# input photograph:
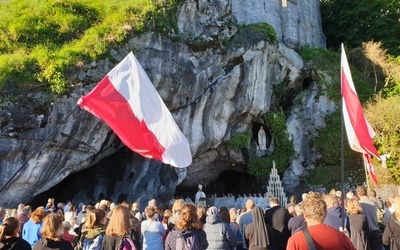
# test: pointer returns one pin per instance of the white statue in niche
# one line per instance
(262, 138)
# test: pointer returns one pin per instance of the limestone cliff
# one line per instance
(212, 93)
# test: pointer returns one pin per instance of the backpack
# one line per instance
(380, 213)
(187, 241)
(126, 244)
(90, 244)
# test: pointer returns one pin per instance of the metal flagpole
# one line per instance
(342, 167)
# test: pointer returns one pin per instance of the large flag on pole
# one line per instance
(128, 102)
(359, 132)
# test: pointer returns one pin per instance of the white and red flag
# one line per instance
(129, 103)
(359, 132)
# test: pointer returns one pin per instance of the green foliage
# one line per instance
(326, 67)
(56, 35)
(253, 33)
(383, 115)
(282, 89)
(239, 140)
(375, 20)
(283, 146)
(259, 166)
(330, 176)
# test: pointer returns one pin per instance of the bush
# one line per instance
(239, 140)
(253, 33)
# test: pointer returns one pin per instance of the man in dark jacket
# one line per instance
(334, 213)
(278, 217)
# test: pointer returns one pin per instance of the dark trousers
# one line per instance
(374, 240)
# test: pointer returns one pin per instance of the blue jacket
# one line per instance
(31, 232)
(334, 218)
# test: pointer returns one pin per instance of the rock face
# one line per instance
(212, 94)
(296, 25)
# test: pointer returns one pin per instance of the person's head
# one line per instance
(314, 208)
(293, 198)
(60, 205)
(371, 194)
(105, 202)
(361, 191)
(249, 204)
(9, 228)
(330, 200)
(178, 205)
(291, 210)
(38, 215)
(150, 212)
(166, 215)
(113, 205)
(232, 214)
(200, 187)
(135, 206)
(212, 213)
(189, 219)
(273, 201)
(95, 217)
(298, 209)
(353, 207)
(119, 224)
(224, 213)
(66, 226)
(26, 210)
(152, 203)
(104, 207)
(71, 208)
(52, 227)
(201, 212)
(350, 195)
(20, 207)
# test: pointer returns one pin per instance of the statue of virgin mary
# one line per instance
(262, 138)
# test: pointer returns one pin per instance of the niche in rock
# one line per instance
(256, 131)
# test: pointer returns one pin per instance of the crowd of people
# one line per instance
(317, 222)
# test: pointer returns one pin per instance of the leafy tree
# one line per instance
(354, 22)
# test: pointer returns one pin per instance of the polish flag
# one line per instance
(128, 102)
(359, 132)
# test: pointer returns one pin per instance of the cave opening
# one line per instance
(228, 181)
